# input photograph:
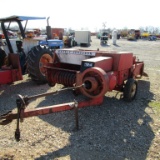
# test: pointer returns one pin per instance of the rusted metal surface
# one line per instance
(100, 71)
(67, 78)
(23, 101)
(24, 113)
(50, 109)
(96, 81)
(96, 73)
(104, 71)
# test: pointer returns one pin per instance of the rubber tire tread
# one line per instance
(33, 58)
(128, 88)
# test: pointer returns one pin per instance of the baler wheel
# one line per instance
(38, 56)
(130, 90)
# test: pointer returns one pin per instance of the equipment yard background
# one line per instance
(116, 130)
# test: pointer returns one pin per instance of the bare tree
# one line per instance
(141, 29)
(150, 29)
(104, 25)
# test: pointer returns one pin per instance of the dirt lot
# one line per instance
(116, 130)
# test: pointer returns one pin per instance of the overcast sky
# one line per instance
(90, 14)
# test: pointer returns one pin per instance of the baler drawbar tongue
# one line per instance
(23, 101)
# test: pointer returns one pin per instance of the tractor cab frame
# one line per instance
(22, 29)
(11, 68)
(22, 46)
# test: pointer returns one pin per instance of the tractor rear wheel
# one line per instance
(130, 90)
(38, 56)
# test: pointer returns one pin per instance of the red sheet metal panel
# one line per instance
(121, 60)
(5, 76)
(9, 76)
(104, 63)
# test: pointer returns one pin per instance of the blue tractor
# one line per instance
(33, 52)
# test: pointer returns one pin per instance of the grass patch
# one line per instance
(155, 105)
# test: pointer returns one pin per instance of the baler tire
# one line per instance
(37, 57)
(130, 90)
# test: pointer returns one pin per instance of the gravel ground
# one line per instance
(115, 130)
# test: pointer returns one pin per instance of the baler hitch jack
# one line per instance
(23, 101)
